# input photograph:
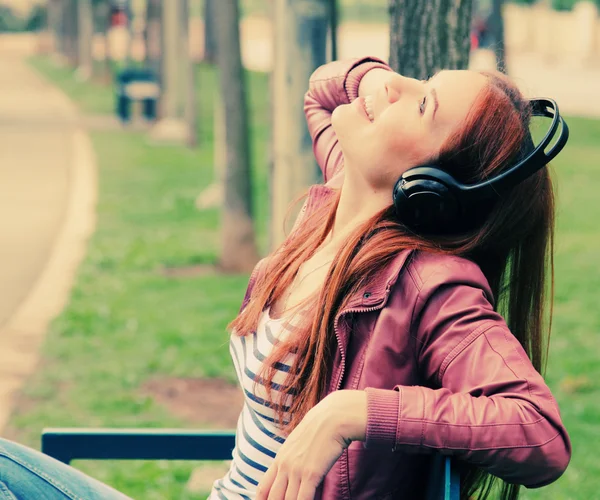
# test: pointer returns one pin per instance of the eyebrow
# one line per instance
(436, 103)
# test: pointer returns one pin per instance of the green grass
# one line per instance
(127, 323)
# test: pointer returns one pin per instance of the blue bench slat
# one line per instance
(132, 444)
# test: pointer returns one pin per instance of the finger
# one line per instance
(308, 487)
(279, 486)
(263, 488)
(292, 487)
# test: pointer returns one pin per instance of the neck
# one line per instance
(358, 203)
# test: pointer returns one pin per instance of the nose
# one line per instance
(398, 85)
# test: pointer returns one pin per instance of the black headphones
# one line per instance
(429, 200)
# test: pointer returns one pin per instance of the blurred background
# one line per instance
(149, 152)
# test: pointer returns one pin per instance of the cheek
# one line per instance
(408, 145)
(396, 138)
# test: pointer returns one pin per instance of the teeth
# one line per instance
(369, 107)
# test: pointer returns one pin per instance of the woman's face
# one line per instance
(411, 120)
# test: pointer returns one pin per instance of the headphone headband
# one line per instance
(535, 160)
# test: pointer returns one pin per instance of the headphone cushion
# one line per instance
(426, 205)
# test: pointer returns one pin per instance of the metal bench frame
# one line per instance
(68, 444)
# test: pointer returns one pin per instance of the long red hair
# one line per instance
(512, 244)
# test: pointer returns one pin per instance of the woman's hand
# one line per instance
(314, 446)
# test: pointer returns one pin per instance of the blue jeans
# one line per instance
(26, 474)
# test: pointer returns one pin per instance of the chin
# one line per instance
(344, 121)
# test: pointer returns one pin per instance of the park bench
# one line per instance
(136, 85)
(67, 444)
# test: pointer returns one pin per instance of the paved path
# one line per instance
(47, 191)
(35, 153)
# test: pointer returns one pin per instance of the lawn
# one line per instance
(127, 322)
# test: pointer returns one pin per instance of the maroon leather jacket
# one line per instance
(441, 369)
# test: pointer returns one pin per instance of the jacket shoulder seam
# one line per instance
(415, 276)
(512, 371)
(462, 345)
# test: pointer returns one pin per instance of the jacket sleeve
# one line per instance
(484, 401)
(330, 85)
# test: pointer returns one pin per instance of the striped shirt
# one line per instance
(258, 436)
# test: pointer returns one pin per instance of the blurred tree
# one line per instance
(9, 21)
(333, 27)
(238, 243)
(102, 23)
(170, 56)
(153, 35)
(210, 40)
(85, 34)
(55, 25)
(426, 36)
(300, 29)
(38, 18)
(70, 26)
(189, 79)
(496, 22)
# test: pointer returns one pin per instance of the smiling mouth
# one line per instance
(368, 101)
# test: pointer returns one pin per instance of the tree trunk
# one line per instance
(85, 15)
(103, 13)
(153, 37)
(497, 31)
(238, 250)
(426, 36)
(333, 29)
(300, 28)
(210, 39)
(71, 31)
(54, 17)
(170, 58)
(189, 77)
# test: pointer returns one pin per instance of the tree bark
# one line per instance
(210, 39)
(189, 77)
(170, 58)
(426, 36)
(153, 36)
(54, 25)
(238, 251)
(85, 15)
(333, 28)
(103, 15)
(300, 29)
(70, 23)
(497, 31)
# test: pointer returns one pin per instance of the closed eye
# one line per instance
(422, 105)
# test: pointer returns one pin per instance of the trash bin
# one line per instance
(137, 84)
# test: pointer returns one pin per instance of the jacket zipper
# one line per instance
(379, 305)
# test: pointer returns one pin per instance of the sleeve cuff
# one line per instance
(411, 416)
(395, 417)
(354, 76)
(382, 417)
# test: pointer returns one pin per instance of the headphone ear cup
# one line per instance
(426, 205)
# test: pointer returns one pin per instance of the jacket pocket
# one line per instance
(383, 474)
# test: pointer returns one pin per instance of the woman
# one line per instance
(361, 346)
